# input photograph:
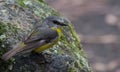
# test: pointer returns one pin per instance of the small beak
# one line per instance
(61, 21)
(64, 24)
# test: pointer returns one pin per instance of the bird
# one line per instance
(40, 38)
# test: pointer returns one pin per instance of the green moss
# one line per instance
(5, 66)
(21, 3)
(42, 1)
(14, 30)
(2, 28)
(73, 69)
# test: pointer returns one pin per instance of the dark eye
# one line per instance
(56, 22)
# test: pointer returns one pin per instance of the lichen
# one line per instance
(17, 18)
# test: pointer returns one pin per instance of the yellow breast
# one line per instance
(49, 45)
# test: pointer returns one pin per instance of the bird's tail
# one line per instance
(12, 52)
(22, 48)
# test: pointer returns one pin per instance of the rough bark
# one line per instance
(17, 18)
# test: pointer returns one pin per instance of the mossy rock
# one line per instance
(17, 18)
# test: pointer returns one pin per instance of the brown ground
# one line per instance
(98, 23)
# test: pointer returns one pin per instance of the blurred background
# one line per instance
(98, 24)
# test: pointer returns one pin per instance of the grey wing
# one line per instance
(46, 34)
(33, 41)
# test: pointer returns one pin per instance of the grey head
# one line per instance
(55, 21)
